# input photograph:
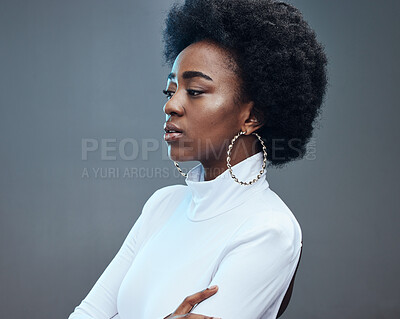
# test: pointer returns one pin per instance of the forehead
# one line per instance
(205, 57)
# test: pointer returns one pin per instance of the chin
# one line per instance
(177, 154)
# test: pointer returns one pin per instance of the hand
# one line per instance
(190, 302)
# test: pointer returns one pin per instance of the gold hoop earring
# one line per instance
(228, 159)
(179, 169)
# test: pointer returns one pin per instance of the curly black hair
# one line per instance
(281, 64)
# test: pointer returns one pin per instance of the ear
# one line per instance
(252, 122)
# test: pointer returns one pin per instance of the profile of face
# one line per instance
(201, 91)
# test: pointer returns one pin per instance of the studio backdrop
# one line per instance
(81, 142)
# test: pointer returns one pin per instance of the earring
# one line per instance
(179, 169)
(228, 159)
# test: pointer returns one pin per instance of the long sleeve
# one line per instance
(101, 301)
(254, 272)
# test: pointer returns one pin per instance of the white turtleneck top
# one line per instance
(188, 237)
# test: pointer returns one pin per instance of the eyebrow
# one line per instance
(190, 74)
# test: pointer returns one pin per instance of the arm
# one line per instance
(101, 301)
(254, 272)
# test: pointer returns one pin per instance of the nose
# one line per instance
(173, 106)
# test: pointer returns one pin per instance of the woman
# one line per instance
(247, 82)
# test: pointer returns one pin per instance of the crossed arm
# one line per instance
(252, 277)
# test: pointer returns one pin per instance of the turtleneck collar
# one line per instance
(214, 197)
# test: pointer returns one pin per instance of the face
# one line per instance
(201, 103)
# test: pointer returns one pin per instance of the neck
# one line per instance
(214, 197)
(242, 149)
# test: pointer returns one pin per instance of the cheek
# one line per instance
(214, 117)
(222, 110)
(219, 123)
(225, 115)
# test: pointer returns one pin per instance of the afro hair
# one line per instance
(281, 64)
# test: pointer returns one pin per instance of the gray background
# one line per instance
(75, 70)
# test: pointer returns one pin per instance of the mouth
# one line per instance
(172, 132)
(171, 135)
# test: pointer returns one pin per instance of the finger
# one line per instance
(190, 301)
(193, 316)
(198, 316)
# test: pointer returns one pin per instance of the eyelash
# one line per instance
(169, 93)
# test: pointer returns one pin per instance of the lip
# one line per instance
(170, 137)
(169, 126)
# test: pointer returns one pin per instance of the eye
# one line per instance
(168, 93)
(194, 92)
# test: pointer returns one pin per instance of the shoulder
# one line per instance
(158, 208)
(165, 193)
(167, 190)
(162, 202)
(270, 212)
(271, 229)
(268, 221)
